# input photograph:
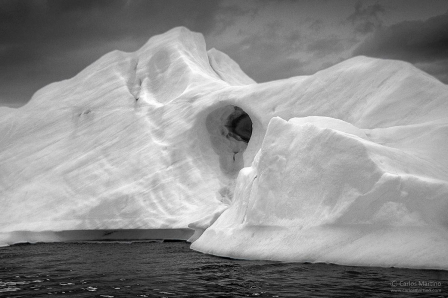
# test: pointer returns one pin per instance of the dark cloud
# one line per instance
(265, 54)
(316, 26)
(325, 46)
(229, 14)
(61, 37)
(65, 6)
(416, 42)
(366, 19)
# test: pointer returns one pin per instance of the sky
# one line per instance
(43, 41)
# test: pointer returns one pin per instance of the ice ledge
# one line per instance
(94, 235)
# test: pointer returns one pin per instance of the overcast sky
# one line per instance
(42, 41)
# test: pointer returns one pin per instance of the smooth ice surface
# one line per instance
(348, 165)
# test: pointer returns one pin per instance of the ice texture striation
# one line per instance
(347, 166)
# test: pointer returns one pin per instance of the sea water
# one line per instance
(171, 269)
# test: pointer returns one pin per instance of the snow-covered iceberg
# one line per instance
(347, 166)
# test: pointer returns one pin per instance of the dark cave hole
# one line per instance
(230, 130)
(239, 125)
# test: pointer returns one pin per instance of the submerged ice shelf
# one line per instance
(348, 165)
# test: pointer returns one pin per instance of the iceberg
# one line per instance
(174, 141)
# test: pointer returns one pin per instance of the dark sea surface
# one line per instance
(171, 269)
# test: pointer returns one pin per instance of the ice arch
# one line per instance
(230, 130)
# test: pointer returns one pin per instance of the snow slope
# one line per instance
(348, 165)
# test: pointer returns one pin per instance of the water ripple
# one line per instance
(171, 269)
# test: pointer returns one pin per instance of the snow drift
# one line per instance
(347, 166)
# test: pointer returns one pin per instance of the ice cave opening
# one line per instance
(230, 130)
(239, 125)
